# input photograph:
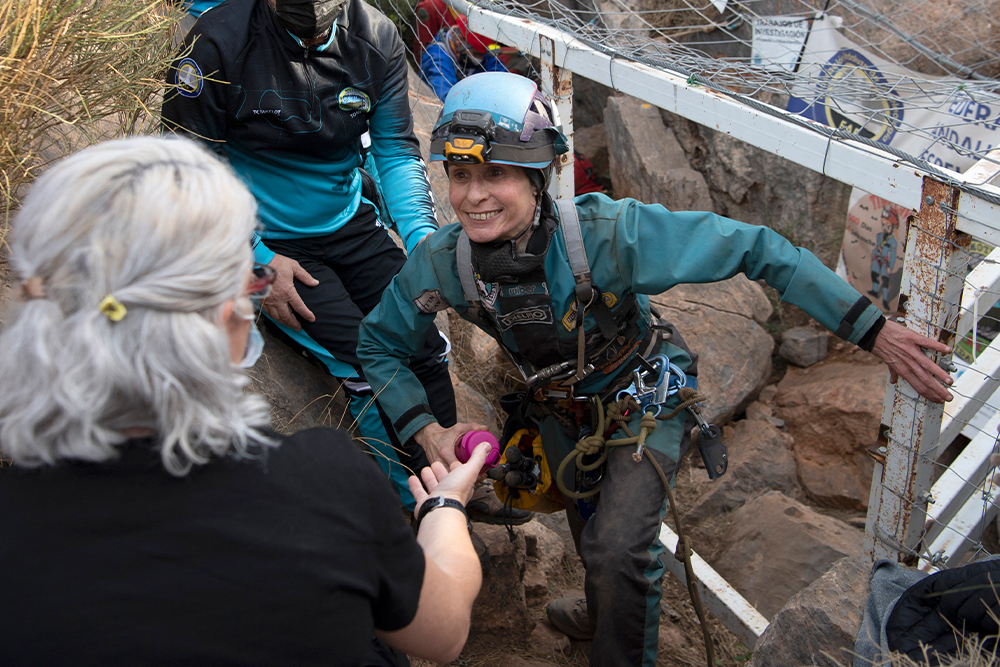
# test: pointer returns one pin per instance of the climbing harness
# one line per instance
(616, 340)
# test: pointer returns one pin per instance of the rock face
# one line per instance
(833, 411)
(754, 186)
(777, 546)
(546, 640)
(500, 610)
(804, 346)
(426, 108)
(819, 624)
(721, 322)
(589, 98)
(544, 552)
(647, 163)
(759, 461)
(473, 407)
(301, 394)
(593, 143)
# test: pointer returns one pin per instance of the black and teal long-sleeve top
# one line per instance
(290, 119)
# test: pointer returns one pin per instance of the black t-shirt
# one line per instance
(292, 559)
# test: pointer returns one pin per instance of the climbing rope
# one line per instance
(617, 412)
(590, 445)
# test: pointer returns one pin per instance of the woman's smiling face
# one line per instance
(494, 202)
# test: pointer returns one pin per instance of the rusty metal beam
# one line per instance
(934, 271)
(557, 84)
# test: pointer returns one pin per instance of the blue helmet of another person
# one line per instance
(497, 117)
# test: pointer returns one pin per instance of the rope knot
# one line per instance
(648, 422)
(592, 444)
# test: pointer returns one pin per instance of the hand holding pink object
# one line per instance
(472, 439)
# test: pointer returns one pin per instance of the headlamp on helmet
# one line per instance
(497, 117)
(469, 137)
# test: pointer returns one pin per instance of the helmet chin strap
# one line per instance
(524, 233)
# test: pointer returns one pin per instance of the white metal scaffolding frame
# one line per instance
(924, 510)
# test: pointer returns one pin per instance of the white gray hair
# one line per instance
(164, 227)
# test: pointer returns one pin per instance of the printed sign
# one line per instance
(874, 243)
(857, 91)
(778, 41)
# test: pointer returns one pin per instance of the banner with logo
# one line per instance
(857, 91)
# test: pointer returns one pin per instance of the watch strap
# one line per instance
(437, 502)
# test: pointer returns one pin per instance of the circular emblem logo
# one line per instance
(422, 15)
(189, 79)
(851, 84)
(352, 99)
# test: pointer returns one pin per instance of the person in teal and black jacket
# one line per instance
(307, 101)
(510, 268)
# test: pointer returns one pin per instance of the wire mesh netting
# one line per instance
(914, 78)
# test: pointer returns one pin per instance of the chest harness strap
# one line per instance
(588, 296)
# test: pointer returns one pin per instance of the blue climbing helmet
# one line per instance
(497, 117)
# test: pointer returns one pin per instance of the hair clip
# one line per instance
(112, 308)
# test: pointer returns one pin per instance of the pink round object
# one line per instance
(471, 440)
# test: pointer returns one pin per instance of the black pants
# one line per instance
(354, 265)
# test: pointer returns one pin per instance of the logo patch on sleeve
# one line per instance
(189, 78)
(430, 301)
(352, 99)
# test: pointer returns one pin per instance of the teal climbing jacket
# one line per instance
(632, 248)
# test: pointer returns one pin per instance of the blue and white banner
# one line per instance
(933, 118)
(929, 117)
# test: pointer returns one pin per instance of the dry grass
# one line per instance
(72, 73)
(972, 653)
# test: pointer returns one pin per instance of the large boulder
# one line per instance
(647, 163)
(819, 624)
(833, 411)
(777, 546)
(759, 461)
(754, 186)
(722, 323)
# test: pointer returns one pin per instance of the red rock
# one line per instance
(777, 546)
(833, 411)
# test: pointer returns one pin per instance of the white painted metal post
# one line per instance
(934, 272)
(557, 85)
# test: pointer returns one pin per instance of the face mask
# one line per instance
(255, 347)
(308, 19)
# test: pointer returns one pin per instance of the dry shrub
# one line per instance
(72, 73)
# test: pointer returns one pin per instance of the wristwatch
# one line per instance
(437, 502)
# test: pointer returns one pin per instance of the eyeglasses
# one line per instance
(263, 279)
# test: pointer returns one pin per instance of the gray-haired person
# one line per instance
(150, 517)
